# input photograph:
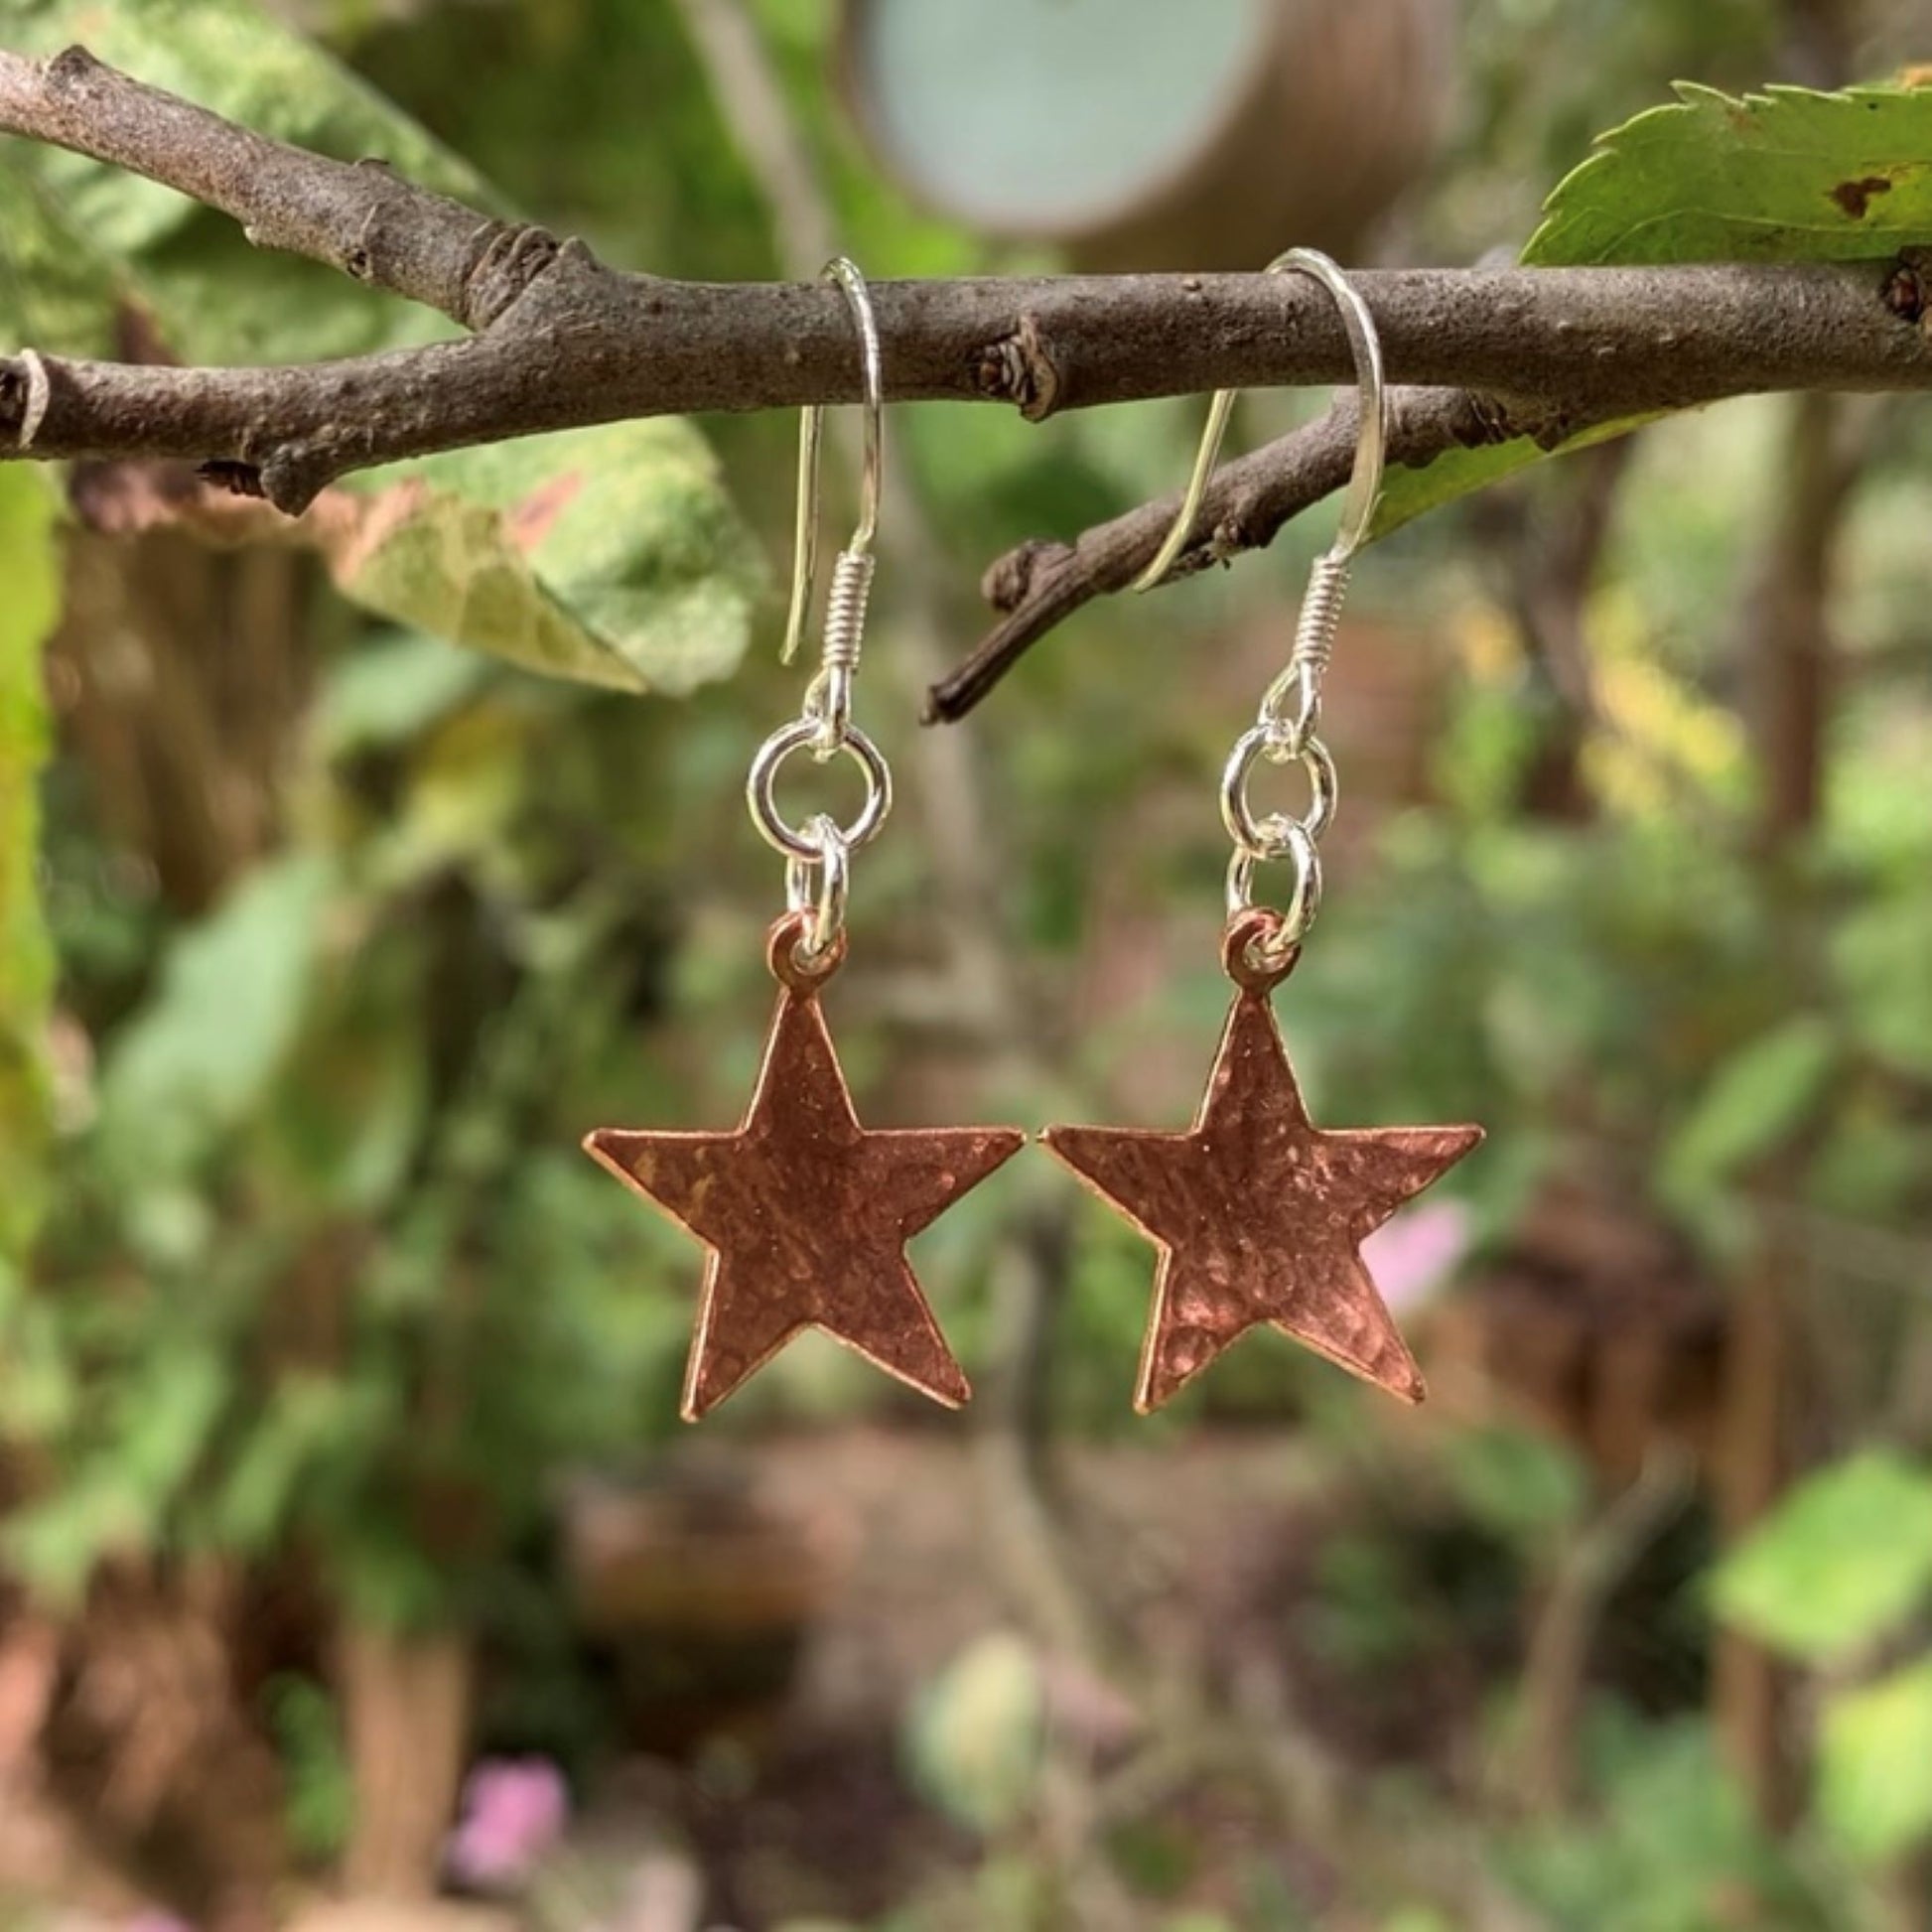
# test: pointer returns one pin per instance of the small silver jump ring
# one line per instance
(1288, 839)
(819, 887)
(759, 788)
(1238, 815)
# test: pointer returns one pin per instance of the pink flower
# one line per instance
(153, 1919)
(1412, 1255)
(514, 1810)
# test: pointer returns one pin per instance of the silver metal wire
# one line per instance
(761, 786)
(811, 436)
(1290, 716)
(1287, 838)
(818, 888)
(1371, 435)
(828, 697)
(1237, 814)
(818, 853)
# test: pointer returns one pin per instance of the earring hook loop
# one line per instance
(1372, 436)
(811, 438)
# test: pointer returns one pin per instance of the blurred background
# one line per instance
(353, 1551)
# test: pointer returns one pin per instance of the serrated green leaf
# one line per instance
(1874, 1744)
(610, 555)
(1844, 1558)
(1788, 175)
(28, 569)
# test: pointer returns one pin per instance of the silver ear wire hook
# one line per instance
(811, 436)
(1277, 733)
(817, 854)
(1372, 436)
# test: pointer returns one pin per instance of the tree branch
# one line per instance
(562, 341)
(1040, 585)
(358, 216)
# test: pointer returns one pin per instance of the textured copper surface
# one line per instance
(806, 1214)
(1259, 1214)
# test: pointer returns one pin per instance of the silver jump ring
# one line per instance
(1285, 838)
(819, 886)
(1249, 834)
(758, 789)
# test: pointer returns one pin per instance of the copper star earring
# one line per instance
(1258, 1213)
(805, 1212)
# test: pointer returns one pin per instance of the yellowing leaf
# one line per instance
(610, 555)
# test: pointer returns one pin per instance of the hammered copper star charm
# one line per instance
(1258, 1213)
(806, 1214)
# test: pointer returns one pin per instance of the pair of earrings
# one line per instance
(1259, 1215)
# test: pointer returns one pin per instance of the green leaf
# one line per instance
(1874, 1744)
(1788, 175)
(1413, 492)
(1880, 952)
(979, 1733)
(310, 1419)
(608, 555)
(57, 291)
(1519, 1484)
(212, 297)
(611, 555)
(1753, 1103)
(320, 1802)
(161, 1418)
(343, 1126)
(233, 991)
(391, 691)
(1843, 1560)
(28, 569)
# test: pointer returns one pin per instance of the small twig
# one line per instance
(1039, 586)
(1542, 1770)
